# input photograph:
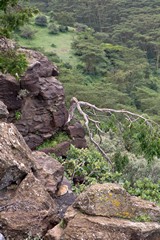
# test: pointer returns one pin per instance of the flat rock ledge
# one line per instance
(108, 212)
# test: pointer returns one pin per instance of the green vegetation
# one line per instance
(145, 188)
(142, 218)
(108, 53)
(12, 16)
(87, 166)
(12, 62)
(41, 20)
(58, 138)
(43, 41)
(17, 115)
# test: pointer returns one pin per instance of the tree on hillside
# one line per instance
(12, 15)
(91, 53)
(131, 23)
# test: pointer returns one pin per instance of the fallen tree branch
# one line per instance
(130, 116)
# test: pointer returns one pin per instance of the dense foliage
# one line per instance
(113, 61)
(12, 15)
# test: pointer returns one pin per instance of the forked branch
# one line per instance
(75, 104)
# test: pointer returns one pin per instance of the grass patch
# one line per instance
(52, 142)
(44, 40)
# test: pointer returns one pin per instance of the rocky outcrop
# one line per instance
(36, 102)
(59, 150)
(107, 211)
(28, 182)
(43, 110)
(30, 211)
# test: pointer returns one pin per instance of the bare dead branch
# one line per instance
(130, 116)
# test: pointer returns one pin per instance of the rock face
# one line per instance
(3, 112)
(107, 211)
(15, 156)
(43, 110)
(77, 134)
(36, 102)
(9, 89)
(48, 171)
(30, 211)
(27, 183)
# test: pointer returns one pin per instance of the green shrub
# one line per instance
(63, 28)
(27, 32)
(13, 62)
(53, 28)
(145, 188)
(120, 161)
(53, 45)
(17, 115)
(87, 166)
(41, 20)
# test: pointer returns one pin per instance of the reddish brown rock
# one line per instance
(79, 143)
(76, 131)
(9, 89)
(101, 228)
(55, 233)
(43, 110)
(61, 149)
(77, 134)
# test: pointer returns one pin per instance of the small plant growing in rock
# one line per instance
(142, 218)
(17, 115)
(53, 141)
(13, 62)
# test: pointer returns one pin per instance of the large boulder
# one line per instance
(48, 171)
(36, 102)
(28, 182)
(30, 212)
(107, 211)
(101, 228)
(43, 110)
(15, 156)
(111, 200)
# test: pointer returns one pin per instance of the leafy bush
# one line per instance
(53, 28)
(12, 62)
(120, 161)
(17, 115)
(87, 166)
(145, 188)
(63, 28)
(53, 45)
(27, 32)
(41, 20)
